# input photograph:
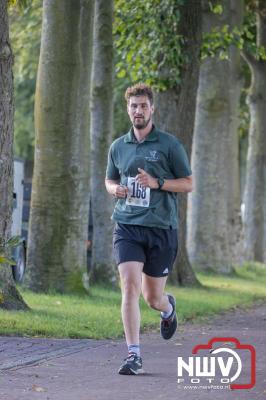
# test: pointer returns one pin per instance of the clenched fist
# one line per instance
(146, 179)
(121, 192)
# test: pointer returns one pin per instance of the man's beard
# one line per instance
(141, 124)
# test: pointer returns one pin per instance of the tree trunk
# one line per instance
(58, 226)
(255, 192)
(175, 114)
(103, 270)
(9, 297)
(214, 206)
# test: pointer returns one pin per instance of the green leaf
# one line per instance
(121, 73)
(216, 9)
(14, 241)
(5, 260)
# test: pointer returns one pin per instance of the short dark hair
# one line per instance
(140, 89)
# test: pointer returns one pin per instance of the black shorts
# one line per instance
(155, 247)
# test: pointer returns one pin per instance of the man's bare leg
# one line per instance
(153, 293)
(130, 275)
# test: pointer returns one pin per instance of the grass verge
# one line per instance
(98, 315)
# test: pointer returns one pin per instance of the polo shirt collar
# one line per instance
(152, 136)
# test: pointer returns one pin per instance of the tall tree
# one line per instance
(60, 193)
(9, 296)
(255, 192)
(214, 209)
(103, 270)
(176, 113)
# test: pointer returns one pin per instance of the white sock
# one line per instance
(166, 314)
(134, 348)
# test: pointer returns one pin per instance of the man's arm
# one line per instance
(183, 185)
(115, 188)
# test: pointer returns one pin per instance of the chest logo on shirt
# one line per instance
(153, 156)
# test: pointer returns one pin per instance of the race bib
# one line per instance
(137, 195)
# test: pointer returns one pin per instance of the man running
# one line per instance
(146, 168)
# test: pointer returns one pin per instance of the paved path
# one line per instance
(50, 369)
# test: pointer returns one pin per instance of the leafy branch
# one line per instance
(217, 42)
(148, 43)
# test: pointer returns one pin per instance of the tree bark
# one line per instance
(214, 206)
(58, 226)
(175, 112)
(255, 191)
(103, 269)
(9, 296)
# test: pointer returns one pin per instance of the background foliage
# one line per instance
(25, 35)
(148, 43)
(146, 40)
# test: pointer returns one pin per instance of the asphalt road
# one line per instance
(54, 369)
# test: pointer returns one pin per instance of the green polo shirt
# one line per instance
(161, 155)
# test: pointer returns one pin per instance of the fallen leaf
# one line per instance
(36, 388)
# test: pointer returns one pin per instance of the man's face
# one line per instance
(140, 111)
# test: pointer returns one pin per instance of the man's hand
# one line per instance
(146, 179)
(116, 189)
(121, 191)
